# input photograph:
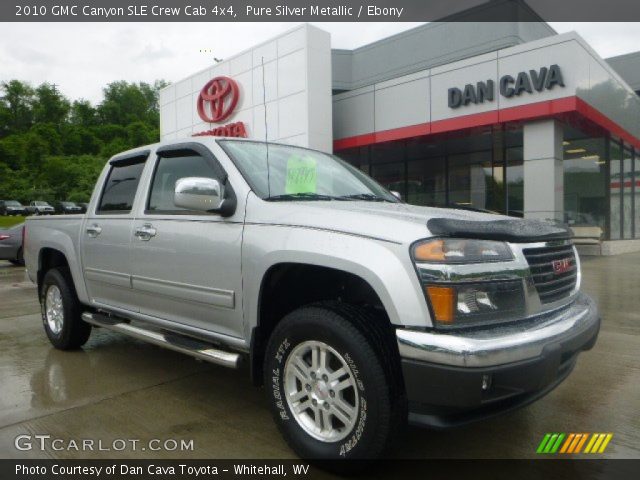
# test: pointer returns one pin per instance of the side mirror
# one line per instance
(198, 193)
(396, 194)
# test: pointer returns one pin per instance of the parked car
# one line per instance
(356, 312)
(68, 208)
(12, 207)
(38, 207)
(11, 244)
(83, 206)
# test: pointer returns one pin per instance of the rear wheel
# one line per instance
(61, 313)
(330, 388)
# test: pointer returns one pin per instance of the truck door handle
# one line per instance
(94, 230)
(145, 232)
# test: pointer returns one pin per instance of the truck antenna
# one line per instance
(266, 136)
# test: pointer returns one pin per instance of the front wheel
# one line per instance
(329, 389)
(61, 313)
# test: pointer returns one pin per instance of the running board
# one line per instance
(179, 343)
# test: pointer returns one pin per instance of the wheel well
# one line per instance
(47, 259)
(288, 286)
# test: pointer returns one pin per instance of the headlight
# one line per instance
(476, 303)
(453, 250)
(458, 301)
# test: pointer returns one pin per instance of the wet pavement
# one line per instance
(119, 388)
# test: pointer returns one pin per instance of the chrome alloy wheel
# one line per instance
(54, 312)
(321, 391)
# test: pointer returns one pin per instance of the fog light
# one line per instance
(486, 382)
(476, 303)
(472, 300)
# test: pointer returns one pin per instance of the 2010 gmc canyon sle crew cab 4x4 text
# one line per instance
(356, 312)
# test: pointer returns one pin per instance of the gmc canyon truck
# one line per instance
(355, 311)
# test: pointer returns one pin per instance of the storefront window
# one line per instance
(471, 182)
(358, 157)
(627, 198)
(515, 182)
(615, 188)
(465, 169)
(636, 194)
(427, 182)
(426, 171)
(388, 166)
(584, 184)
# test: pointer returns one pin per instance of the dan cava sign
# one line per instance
(509, 86)
(216, 102)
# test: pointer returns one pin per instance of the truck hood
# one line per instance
(397, 222)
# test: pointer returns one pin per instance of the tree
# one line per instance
(83, 113)
(125, 103)
(49, 106)
(16, 106)
(53, 149)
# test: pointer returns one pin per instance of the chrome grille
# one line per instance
(554, 271)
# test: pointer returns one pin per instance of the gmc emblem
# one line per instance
(561, 266)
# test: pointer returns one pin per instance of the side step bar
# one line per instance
(179, 343)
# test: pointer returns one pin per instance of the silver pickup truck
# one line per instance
(355, 311)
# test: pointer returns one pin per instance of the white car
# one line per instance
(38, 207)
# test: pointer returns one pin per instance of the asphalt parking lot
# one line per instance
(118, 388)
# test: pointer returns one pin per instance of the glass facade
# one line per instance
(585, 182)
(515, 181)
(615, 190)
(636, 192)
(483, 169)
(466, 171)
(626, 184)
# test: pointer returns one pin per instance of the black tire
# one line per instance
(362, 340)
(74, 332)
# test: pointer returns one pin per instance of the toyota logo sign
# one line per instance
(217, 99)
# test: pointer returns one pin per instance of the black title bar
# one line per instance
(317, 10)
(113, 469)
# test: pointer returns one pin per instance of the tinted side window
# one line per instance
(168, 171)
(120, 188)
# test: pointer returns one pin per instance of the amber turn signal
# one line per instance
(443, 301)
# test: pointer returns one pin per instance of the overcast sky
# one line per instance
(81, 58)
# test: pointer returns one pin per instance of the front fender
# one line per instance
(385, 266)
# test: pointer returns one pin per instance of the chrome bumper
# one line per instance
(501, 345)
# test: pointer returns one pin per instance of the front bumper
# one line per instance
(444, 373)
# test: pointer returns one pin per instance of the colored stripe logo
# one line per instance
(574, 443)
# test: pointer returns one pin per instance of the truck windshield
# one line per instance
(295, 173)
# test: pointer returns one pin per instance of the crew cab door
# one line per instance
(106, 234)
(186, 264)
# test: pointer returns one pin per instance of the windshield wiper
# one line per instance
(370, 197)
(300, 196)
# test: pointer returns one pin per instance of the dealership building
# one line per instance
(507, 117)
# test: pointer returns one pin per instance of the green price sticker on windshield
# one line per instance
(302, 175)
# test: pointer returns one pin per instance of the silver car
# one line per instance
(11, 244)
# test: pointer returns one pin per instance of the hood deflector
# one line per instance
(503, 230)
